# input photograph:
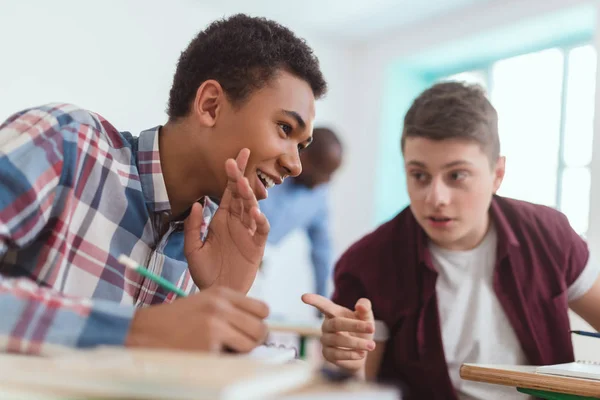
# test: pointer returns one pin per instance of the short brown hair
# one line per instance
(454, 110)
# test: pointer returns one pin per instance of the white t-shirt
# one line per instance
(475, 328)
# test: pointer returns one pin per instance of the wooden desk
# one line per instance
(160, 375)
(525, 380)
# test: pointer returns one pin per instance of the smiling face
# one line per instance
(450, 185)
(274, 123)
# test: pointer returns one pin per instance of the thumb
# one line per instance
(363, 310)
(193, 229)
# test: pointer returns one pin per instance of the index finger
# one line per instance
(242, 159)
(326, 306)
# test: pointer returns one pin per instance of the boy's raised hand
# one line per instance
(235, 244)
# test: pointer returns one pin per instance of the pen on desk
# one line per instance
(159, 280)
(584, 333)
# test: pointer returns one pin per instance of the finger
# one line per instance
(351, 325)
(333, 354)
(363, 310)
(232, 338)
(242, 160)
(231, 192)
(262, 226)
(349, 342)
(247, 323)
(247, 304)
(192, 228)
(326, 306)
(248, 203)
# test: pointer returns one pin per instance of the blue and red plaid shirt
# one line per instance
(75, 193)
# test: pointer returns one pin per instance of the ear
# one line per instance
(208, 102)
(499, 171)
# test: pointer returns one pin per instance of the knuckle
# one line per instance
(262, 331)
(212, 328)
(212, 305)
(336, 325)
(222, 291)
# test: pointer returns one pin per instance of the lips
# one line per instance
(439, 222)
(265, 181)
(440, 218)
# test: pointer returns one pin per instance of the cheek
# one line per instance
(475, 200)
(417, 198)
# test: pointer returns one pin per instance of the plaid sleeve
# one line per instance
(32, 152)
(38, 320)
(36, 147)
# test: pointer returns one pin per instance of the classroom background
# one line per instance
(536, 58)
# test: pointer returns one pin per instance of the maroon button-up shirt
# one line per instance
(538, 257)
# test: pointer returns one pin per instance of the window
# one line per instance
(545, 104)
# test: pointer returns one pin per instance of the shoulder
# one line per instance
(66, 121)
(535, 218)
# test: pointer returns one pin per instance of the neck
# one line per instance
(474, 238)
(182, 156)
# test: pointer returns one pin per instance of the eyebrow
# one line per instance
(296, 116)
(445, 166)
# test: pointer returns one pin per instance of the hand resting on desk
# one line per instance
(212, 320)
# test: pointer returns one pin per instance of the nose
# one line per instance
(438, 193)
(291, 163)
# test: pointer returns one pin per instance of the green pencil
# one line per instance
(162, 282)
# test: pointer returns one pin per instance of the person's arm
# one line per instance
(40, 321)
(320, 240)
(34, 171)
(582, 279)
(588, 306)
(351, 337)
(584, 293)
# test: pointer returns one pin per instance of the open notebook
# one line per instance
(577, 369)
(153, 374)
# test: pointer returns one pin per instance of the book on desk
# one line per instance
(155, 374)
(117, 373)
(576, 369)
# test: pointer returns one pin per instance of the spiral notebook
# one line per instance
(577, 369)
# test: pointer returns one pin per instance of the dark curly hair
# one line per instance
(242, 53)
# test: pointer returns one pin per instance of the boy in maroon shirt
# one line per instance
(461, 275)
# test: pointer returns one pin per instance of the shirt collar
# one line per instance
(507, 238)
(151, 176)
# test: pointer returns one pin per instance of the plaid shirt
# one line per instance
(74, 195)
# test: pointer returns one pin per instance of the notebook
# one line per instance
(272, 354)
(577, 369)
(154, 375)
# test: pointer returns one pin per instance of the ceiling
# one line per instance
(344, 19)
